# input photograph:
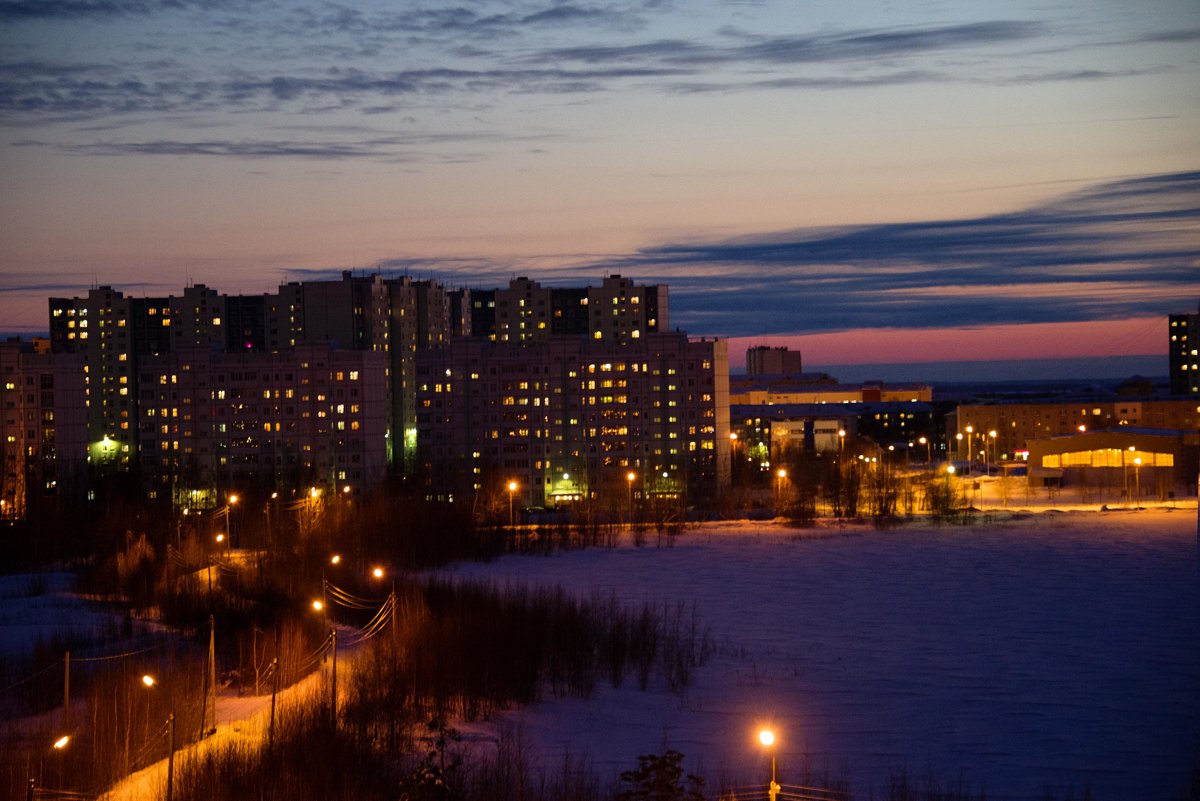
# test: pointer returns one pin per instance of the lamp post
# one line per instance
(1137, 482)
(992, 438)
(149, 682)
(841, 442)
(1125, 473)
(970, 431)
(928, 455)
(767, 738)
(230, 502)
(630, 477)
(512, 488)
(780, 474)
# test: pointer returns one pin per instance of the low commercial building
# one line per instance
(1017, 425)
(1138, 463)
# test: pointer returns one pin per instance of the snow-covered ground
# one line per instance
(1055, 651)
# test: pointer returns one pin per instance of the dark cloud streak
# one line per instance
(1118, 250)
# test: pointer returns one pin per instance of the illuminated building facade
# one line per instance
(1142, 463)
(1184, 353)
(571, 417)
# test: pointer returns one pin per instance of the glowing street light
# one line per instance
(336, 559)
(62, 742)
(149, 680)
(767, 738)
(318, 606)
(928, 455)
(377, 572)
(512, 488)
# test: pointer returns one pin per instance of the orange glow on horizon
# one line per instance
(1140, 336)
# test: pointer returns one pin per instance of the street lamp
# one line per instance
(512, 488)
(970, 456)
(928, 455)
(992, 437)
(841, 441)
(767, 738)
(781, 474)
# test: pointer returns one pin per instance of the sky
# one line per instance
(867, 181)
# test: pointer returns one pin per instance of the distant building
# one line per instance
(819, 388)
(764, 360)
(570, 417)
(43, 429)
(1183, 358)
(526, 311)
(1017, 424)
(766, 432)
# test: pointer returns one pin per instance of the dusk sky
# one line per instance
(868, 181)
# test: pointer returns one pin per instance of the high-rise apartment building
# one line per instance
(526, 311)
(109, 332)
(572, 417)
(43, 428)
(273, 421)
(1184, 353)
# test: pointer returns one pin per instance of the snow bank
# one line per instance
(1054, 652)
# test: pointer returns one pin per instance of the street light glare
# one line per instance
(61, 742)
(220, 538)
(148, 680)
(377, 572)
(233, 499)
(766, 737)
(335, 559)
(317, 606)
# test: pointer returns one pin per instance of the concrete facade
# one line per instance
(571, 417)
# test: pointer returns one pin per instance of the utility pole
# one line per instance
(274, 691)
(67, 690)
(333, 694)
(171, 757)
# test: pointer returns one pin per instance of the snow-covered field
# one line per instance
(1052, 652)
